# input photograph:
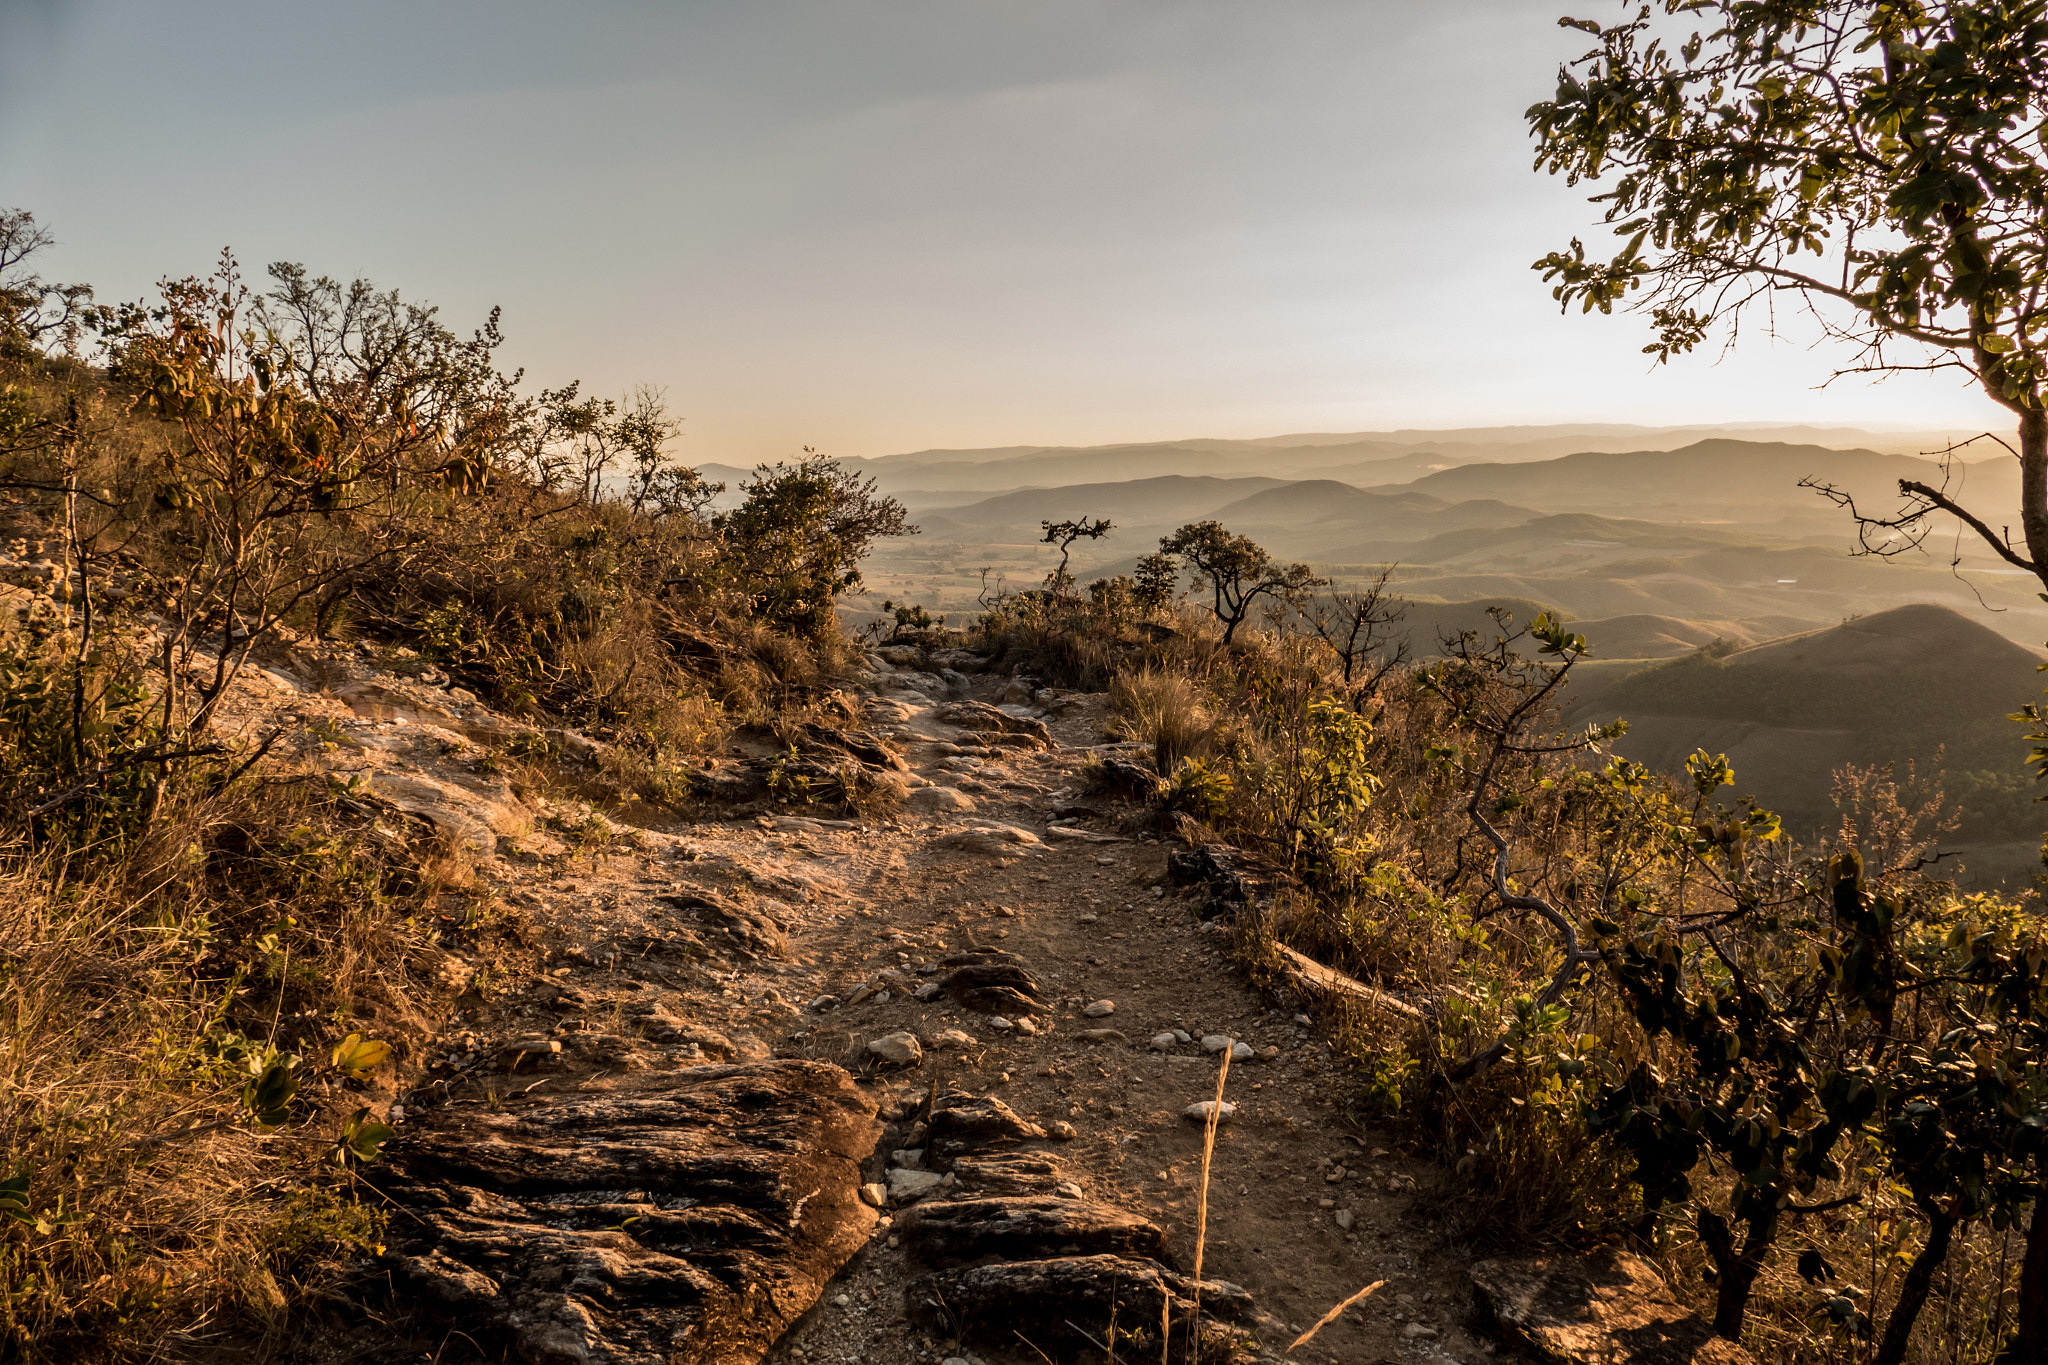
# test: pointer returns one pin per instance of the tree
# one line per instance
(313, 434)
(1878, 161)
(1238, 569)
(1358, 629)
(34, 312)
(1062, 535)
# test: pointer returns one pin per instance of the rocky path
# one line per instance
(905, 1090)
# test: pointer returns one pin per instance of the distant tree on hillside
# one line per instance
(1061, 535)
(1878, 161)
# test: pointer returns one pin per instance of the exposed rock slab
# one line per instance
(1230, 878)
(969, 1125)
(995, 987)
(1009, 1173)
(1609, 1308)
(689, 1219)
(984, 719)
(740, 930)
(1025, 1227)
(1050, 1302)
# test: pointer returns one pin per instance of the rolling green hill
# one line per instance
(1905, 684)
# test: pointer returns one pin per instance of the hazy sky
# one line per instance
(880, 225)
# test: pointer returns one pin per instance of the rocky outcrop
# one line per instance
(689, 1219)
(1230, 878)
(1025, 1227)
(993, 982)
(968, 1125)
(1609, 1308)
(997, 725)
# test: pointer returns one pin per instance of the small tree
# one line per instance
(1062, 535)
(1238, 570)
(1879, 161)
(33, 312)
(1359, 630)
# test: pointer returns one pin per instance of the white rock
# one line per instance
(875, 1193)
(1100, 1009)
(952, 1038)
(1000, 1024)
(910, 1157)
(1183, 1035)
(1241, 1052)
(1164, 1042)
(1344, 1219)
(1200, 1112)
(901, 1049)
(906, 1185)
(936, 800)
(1214, 1042)
(927, 991)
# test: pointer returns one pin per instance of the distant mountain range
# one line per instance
(1369, 457)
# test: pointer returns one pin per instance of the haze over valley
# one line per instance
(1715, 591)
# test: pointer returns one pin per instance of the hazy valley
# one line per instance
(1726, 606)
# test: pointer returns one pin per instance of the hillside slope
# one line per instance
(1902, 685)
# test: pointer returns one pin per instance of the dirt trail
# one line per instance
(840, 928)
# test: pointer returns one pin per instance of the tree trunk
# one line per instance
(1898, 1329)
(2030, 1337)
(1735, 1271)
(2034, 488)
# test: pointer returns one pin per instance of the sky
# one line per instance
(871, 226)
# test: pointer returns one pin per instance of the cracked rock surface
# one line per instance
(690, 1218)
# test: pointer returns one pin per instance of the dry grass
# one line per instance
(1165, 710)
(155, 1219)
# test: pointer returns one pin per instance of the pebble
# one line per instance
(907, 1156)
(1344, 1219)
(1164, 1042)
(900, 1049)
(1059, 1130)
(1089, 919)
(1326, 1203)
(1241, 1052)
(1182, 1035)
(1099, 1009)
(876, 1194)
(953, 1038)
(1419, 1331)
(1268, 1053)
(1029, 1027)
(927, 991)
(1200, 1112)
(1000, 1024)
(823, 1003)
(1214, 1042)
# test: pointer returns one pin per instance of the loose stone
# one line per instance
(1099, 1009)
(898, 1049)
